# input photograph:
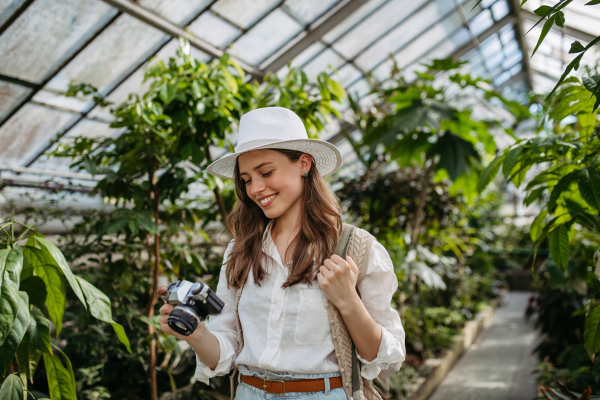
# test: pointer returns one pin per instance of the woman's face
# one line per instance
(272, 181)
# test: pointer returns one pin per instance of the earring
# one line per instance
(305, 174)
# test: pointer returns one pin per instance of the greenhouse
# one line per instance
(429, 171)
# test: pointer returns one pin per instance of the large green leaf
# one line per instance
(55, 257)
(591, 334)
(29, 359)
(38, 331)
(589, 186)
(559, 246)
(14, 265)
(16, 334)
(490, 173)
(536, 227)
(9, 308)
(511, 159)
(456, 154)
(12, 388)
(35, 288)
(100, 309)
(61, 379)
(561, 186)
(53, 281)
(3, 255)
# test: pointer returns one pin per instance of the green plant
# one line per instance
(33, 293)
(149, 170)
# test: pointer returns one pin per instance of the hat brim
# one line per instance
(326, 155)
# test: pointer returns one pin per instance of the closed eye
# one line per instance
(264, 175)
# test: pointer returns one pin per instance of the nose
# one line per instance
(256, 186)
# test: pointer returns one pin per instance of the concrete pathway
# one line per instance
(499, 364)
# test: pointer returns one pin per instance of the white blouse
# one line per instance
(289, 330)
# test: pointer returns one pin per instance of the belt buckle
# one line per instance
(273, 380)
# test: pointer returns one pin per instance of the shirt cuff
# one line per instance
(226, 360)
(389, 357)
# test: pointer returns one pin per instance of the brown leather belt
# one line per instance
(295, 385)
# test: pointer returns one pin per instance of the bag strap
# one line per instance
(341, 250)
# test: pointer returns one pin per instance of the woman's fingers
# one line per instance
(333, 267)
(166, 309)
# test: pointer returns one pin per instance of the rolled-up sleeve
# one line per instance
(376, 289)
(223, 327)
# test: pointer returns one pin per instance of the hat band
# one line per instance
(254, 143)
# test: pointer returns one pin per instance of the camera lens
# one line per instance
(183, 320)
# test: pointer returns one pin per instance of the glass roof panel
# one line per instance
(74, 104)
(214, 30)
(430, 40)
(118, 49)
(7, 9)
(176, 11)
(363, 34)
(307, 11)
(10, 96)
(347, 74)
(243, 13)
(481, 22)
(133, 84)
(28, 132)
(266, 37)
(322, 62)
(500, 9)
(359, 88)
(64, 27)
(352, 19)
(85, 127)
(404, 33)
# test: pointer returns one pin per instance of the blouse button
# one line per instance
(273, 343)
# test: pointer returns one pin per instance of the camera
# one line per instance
(192, 302)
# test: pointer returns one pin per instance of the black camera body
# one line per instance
(192, 302)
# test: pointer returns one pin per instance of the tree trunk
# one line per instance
(416, 225)
(154, 194)
(216, 191)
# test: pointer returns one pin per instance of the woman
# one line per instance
(287, 223)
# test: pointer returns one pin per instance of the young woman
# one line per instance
(283, 325)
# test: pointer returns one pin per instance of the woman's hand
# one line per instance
(337, 278)
(165, 310)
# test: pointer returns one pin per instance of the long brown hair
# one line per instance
(320, 222)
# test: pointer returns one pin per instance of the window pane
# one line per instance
(10, 96)
(214, 30)
(266, 37)
(28, 132)
(326, 59)
(403, 34)
(243, 13)
(307, 11)
(85, 127)
(352, 20)
(134, 84)
(374, 26)
(8, 8)
(48, 32)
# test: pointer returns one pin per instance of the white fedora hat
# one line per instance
(277, 128)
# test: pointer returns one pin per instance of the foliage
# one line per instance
(156, 222)
(32, 294)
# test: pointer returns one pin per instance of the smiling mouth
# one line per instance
(267, 200)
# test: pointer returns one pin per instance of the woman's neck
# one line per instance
(287, 225)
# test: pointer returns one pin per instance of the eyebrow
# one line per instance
(257, 167)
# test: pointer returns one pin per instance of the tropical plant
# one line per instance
(32, 295)
(149, 171)
(555, 15)
(560, 172)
